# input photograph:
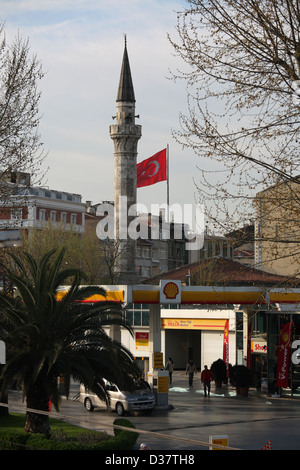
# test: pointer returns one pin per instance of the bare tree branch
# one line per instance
(20, 146)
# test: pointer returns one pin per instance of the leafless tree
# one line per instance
(20, 146)
(241, 64)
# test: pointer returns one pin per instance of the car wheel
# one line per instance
(120, 409)
(88, 405)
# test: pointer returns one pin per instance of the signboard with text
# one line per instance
(141, 340)
(158, 360)
(219, 441)
(259, 347)
(193, 323)
(162, 384)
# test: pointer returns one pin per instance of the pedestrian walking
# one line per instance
(206, 377)
(190, 371)
(170, 368)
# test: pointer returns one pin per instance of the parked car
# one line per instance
(142, 399)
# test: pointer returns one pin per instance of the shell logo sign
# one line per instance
(170, 292)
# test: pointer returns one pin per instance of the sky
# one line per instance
(80, 45)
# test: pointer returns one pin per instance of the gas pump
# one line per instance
(159, 378)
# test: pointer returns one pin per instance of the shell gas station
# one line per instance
(275, 303)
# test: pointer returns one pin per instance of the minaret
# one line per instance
(125, 135)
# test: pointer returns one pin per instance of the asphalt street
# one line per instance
(250, 423)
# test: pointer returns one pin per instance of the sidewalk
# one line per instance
(180, 383)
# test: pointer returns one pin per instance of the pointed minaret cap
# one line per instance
(125, 90)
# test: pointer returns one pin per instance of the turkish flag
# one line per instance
(152, 170)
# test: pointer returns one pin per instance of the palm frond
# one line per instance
(47, 337)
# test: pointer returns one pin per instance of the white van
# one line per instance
(142, 399)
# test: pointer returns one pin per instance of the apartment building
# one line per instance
(35, 206)
(277, 229)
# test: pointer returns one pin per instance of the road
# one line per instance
(249, 423)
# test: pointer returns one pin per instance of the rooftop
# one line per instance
(224, 272)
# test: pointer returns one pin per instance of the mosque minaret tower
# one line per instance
(125, 135)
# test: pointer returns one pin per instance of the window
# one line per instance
(138, 315)
(225, 250)
(137, 318)
(259, 322)
(42, 215)
(53, 216)
(146, 271)
(209, 249)
(146, 252)
(239, 337)
(73, 219)
(143, 271)
(163, 253)
(16, 214)
(63, 217)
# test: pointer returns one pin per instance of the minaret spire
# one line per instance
(125, 135)
(125, 90)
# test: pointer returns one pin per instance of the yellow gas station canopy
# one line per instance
(146, 294)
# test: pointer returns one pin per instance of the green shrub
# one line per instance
(122, 440)
(125, 439)
(12, 440)
(41, 442)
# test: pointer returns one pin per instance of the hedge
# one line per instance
(12, 440)
(122, 440)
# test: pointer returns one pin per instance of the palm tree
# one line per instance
(46, 337)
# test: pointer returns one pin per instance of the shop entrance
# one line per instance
(183, 345)
(259, 372)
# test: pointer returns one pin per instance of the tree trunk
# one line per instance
(3, 397)
(37, 399)
(3, 409)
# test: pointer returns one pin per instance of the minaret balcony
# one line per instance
(125, 129)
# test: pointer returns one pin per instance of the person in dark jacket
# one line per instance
(191, 370)
(206, 377)
(170, 368)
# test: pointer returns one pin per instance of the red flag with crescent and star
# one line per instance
(152, 170)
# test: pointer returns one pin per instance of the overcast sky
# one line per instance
(80, 44)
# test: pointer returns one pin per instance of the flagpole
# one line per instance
(168, 187)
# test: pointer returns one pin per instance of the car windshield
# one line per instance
(141, 385)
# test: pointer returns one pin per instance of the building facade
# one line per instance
(277, 229)
(30, 206)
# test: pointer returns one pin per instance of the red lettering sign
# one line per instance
(283, 356)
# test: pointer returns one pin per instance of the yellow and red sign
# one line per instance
(193, 323)
(226, 347)
(170, 292)
(158, 360)
(163, 384)
(141, 340)
(219, 441)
